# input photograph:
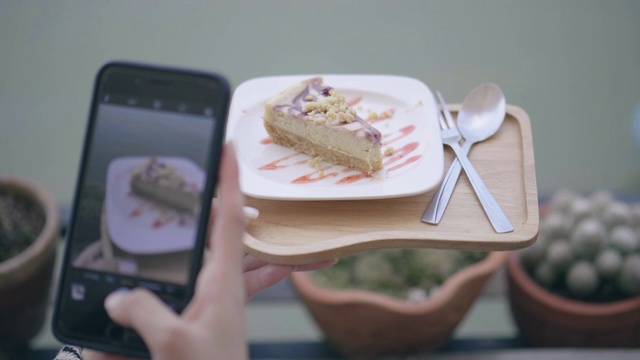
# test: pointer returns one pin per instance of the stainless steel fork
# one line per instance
(451, 137)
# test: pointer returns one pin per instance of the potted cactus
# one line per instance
(29, 230)
(579, 284)
(395, 301)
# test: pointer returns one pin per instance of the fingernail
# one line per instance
(250, 213)
(115, 298)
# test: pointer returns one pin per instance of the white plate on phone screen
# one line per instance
(401, 108)
(139, 226)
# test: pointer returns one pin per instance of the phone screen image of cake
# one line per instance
(140, 196)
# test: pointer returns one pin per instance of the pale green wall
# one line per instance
(574, 66)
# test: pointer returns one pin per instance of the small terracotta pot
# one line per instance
(364, 324)
(546, 319)
(25, 279)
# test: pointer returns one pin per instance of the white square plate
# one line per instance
(401, 108)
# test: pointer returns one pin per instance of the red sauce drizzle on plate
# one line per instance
(162, 221)
(401, 152)
(136, 212)
(404, 132)
(275, 165)
(352, 178)
(354, 101)
(266, 141)
(314, 176)
(405, 163)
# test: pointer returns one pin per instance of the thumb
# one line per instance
(142, 311)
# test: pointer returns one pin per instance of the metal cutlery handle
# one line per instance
(451, 136)
(499, 220)
(438, 204)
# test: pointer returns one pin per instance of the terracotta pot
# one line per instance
(546, 319)
(25, 279)
(362, 324)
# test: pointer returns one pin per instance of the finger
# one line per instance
(141, 310)
(221, 274)
(251, 262)
(249, 212)
(264, 277)
(260, 274)
(317, 266)
(229, 223)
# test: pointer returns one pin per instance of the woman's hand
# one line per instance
(259, 275)
(214, 320)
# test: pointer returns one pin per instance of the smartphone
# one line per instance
(139, 218)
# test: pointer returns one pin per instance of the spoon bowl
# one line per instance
(482, 113)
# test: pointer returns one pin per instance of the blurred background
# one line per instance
(573, 66)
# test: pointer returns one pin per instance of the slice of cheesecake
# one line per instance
(311, 117)
(160, 182)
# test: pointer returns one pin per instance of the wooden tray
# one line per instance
(299, 232)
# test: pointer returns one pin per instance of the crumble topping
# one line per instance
(333, 107)
(389, 151)
(372, 115)
(316, 162)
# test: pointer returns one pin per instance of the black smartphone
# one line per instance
(139, 218)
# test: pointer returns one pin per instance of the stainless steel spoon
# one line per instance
(481, 115)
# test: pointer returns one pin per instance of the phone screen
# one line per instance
(141, 209)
